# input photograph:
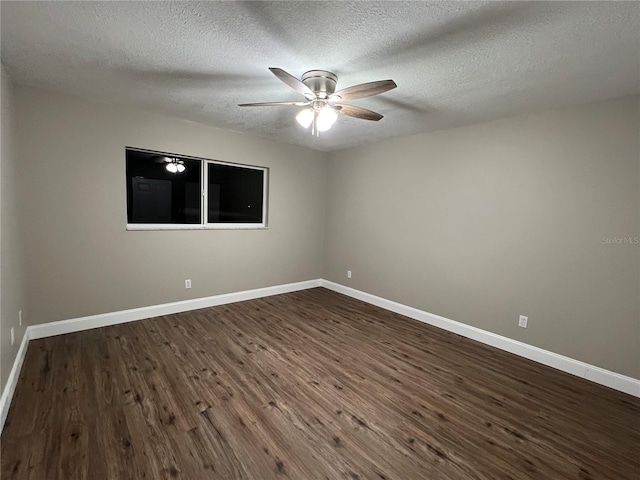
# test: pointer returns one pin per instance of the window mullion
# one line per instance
(204, 194)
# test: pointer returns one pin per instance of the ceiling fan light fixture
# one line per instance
(175, 165)
(305, 117)
(326, 118)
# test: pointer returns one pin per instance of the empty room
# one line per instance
(320, 240)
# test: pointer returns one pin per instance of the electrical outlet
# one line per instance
(13, 336)
(522, 322)
(187, 283)
(20, 318)
(348, 273)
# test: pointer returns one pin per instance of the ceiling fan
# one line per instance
(322, 100)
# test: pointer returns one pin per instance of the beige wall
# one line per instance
(484, 223)
(81, 260)
(12, 287)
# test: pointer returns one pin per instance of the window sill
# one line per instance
(221, 226)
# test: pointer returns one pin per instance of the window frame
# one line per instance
(204, 199)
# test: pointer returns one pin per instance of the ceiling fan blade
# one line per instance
(358, 112)
(363, 90)
(270, 104)
(293, 82)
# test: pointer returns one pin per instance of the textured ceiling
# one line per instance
(455, 63)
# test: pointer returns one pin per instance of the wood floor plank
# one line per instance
(306, 385)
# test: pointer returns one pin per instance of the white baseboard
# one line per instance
(124, 316)
(12, 381)
(584, 370)
(569, 365)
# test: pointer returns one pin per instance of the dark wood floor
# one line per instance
(307, 385)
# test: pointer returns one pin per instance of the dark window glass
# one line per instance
(156, 195)
(235, 194)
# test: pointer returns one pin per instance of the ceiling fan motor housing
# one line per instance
(322, 83)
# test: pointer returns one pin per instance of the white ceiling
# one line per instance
(455, 63)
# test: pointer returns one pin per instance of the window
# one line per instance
(167, 191)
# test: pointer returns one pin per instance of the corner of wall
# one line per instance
(12, 291)
(328, 157)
